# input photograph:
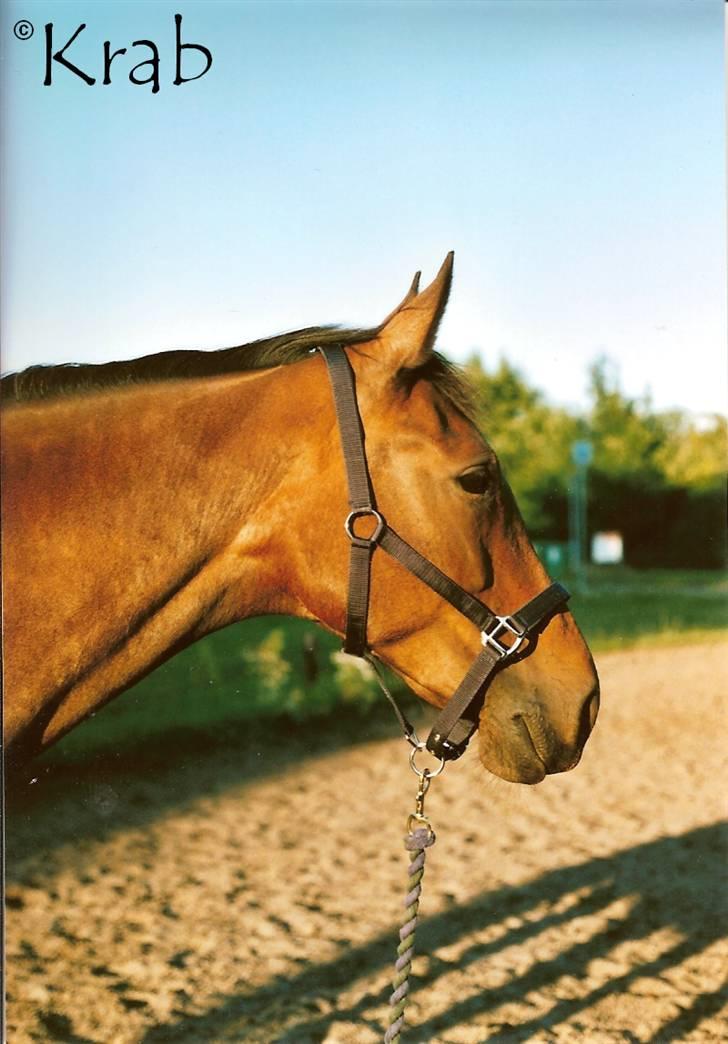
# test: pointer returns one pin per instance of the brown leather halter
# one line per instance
(503, 637)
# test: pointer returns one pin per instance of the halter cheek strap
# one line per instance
(502, 636)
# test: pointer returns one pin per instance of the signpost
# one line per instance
(582, 452)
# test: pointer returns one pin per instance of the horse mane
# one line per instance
(75, 379)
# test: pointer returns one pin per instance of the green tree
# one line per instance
(695, 455)
(628, 436)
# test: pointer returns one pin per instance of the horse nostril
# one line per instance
(589, 712)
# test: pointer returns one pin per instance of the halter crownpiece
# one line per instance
(502, 636)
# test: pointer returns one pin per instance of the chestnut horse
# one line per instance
(149, 503)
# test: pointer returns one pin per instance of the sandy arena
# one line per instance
(249, 889)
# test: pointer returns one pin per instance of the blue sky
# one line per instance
(571, 153)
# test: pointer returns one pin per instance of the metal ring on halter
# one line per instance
(425, 773)
(364, 513)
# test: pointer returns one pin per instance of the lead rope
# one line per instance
(420, 836)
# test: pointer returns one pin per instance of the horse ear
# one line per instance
(407, 335)
(409, 296)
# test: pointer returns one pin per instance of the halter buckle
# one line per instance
(503, 627)
(358, 513)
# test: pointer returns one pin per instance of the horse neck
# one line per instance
(141, 526)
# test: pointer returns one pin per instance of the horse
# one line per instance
(148, 503)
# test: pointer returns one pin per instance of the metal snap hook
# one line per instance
(417, 819)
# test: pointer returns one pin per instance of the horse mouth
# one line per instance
(536, 769)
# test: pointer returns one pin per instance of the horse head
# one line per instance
(439, 485)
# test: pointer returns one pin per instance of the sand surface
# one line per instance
(248, 888)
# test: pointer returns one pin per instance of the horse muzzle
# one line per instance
(523, 744)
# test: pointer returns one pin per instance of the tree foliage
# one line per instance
(658, 477)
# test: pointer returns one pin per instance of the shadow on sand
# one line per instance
(672, 882)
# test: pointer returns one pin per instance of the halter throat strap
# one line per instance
(502, 636)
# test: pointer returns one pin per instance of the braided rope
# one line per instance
(416, 842)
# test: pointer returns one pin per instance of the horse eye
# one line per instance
(475, 481)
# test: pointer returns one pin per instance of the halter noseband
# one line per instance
(502, 636)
